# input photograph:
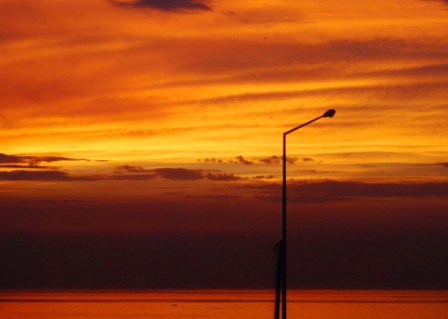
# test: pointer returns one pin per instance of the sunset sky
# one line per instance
(153, 128)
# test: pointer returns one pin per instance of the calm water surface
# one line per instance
(222, 304)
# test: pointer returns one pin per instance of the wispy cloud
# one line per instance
(263, 177)
(131, 169)
(34, 160)
(180, 174)
(164, 5)
(270, 160)
(223, 177)
(276, 160)
(241, 160)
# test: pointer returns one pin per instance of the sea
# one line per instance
(222, 304)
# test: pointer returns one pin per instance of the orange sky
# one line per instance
(128, 100)
(145, 87)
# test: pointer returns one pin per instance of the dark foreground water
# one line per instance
(222, 304)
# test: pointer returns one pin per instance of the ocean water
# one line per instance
(222, 304)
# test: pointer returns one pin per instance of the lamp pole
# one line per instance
(281, 267)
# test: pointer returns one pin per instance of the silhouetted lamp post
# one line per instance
(281, 267)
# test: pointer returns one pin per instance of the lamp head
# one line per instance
(329, 113)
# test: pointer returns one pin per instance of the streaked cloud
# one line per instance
(23, 166)
(35, 160)
(263, 177)
(222, 177)
(131, 169)
(270, 160)
(50, 175)
(164, 5)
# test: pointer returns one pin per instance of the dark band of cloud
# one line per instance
(128, 172)
(34, 160)
(327, 191)
(131, 169)
(134, 177)
(21, 166)
(223, 177)
(271, 160)
(442, 1)
(164, 5)
(34, 176)
(10, 158)
(178, 173)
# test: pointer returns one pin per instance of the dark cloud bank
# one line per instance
(330, 190)
(164, 5)
(225, 244)
(228, 241)
(271, 160)
(34, 161)
(127, 172)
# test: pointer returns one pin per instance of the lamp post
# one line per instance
(281, 266)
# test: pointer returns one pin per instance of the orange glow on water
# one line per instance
(225, 304)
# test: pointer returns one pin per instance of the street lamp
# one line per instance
(281, 264)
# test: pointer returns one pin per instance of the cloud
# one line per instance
(183, 174)
(263, 177)
(214, 197)
(38, 159)
(34, 160)
(164, 5)
(443, 164)
(131, 169)
(192, 174)
(276, 160)
(271, 160)
(442, 1)
(320, 60)
(124, 172)
(241, 160)
(178, 173)
(34, 176)
(129, 172)
(134, 177)
(10, 158)
(308, 171)
(360, 189)
(398, 91)
(223, 177)
(47, 175)
(21, 166)
(211, 160)
(329, 190)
